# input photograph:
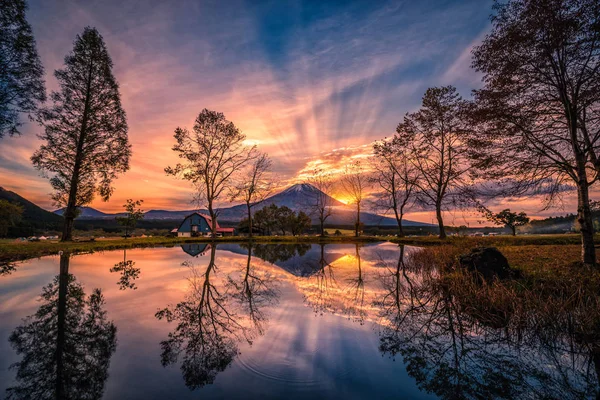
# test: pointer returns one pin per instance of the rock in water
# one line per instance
(489, 262)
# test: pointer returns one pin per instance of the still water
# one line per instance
(271, 321)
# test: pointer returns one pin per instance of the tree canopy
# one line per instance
(85, 130)
(133, 214)
(21, 72)
(212, 153)
(538, 111)
(435, 138)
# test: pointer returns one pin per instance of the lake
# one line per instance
(271, 321)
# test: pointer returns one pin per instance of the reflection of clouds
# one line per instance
(349, 286)
(297, 347)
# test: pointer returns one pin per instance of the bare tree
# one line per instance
(322, 202)
(396, 176)
(539, 109)
(435, 139)
(255, 185)
(212, 153)
(85, 131)
(354, 182)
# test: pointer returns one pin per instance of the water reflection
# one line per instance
(356, 287)
(295, 320)
(195, 249)
(128, 271)
(457, 351)
(255, 290)
(66, 345)
(7, 268)
(210, 322)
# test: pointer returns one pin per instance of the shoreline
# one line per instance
(11, 251)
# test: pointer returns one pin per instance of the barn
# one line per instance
(197, 224)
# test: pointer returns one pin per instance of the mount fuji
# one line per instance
(298, 197)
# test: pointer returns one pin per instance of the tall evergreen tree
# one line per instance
(86, 144)
(21, 72)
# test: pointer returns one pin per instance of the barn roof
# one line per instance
(208, 220)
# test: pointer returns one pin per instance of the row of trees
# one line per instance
(533, 128)
(271, 219)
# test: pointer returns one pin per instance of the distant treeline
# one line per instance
(30, 227)
(555, 224)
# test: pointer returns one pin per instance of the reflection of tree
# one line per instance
(129, 273)
(207, 329)
(273, 253)
(357, 286)
(325, 284)
(7, 268)
(455, 353)
(254, 292)
(66, 345)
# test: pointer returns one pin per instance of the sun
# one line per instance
(342, 199)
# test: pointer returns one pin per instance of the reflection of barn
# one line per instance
(197, 224)
(195, 249)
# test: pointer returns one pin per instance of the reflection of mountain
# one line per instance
(195, 249)
(66, 345)
(308, 263)
(298, 259)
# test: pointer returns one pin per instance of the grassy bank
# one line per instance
(497, 241)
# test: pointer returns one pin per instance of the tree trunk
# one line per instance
(61, 314)
(356, 233)
(322, 225)
(514, 230)
(438, 214)
(399, 221)
(69, 214)
(586, 226)
(213, 217)
(249, 219)
(584, 214)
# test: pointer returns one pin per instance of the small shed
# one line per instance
(197, 224)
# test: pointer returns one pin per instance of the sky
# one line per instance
(312, 83)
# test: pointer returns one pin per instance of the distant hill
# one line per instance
(165, 214)
(87, 213)
(34, 217)
(298, 197)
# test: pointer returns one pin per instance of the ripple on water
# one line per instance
(303, 355)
